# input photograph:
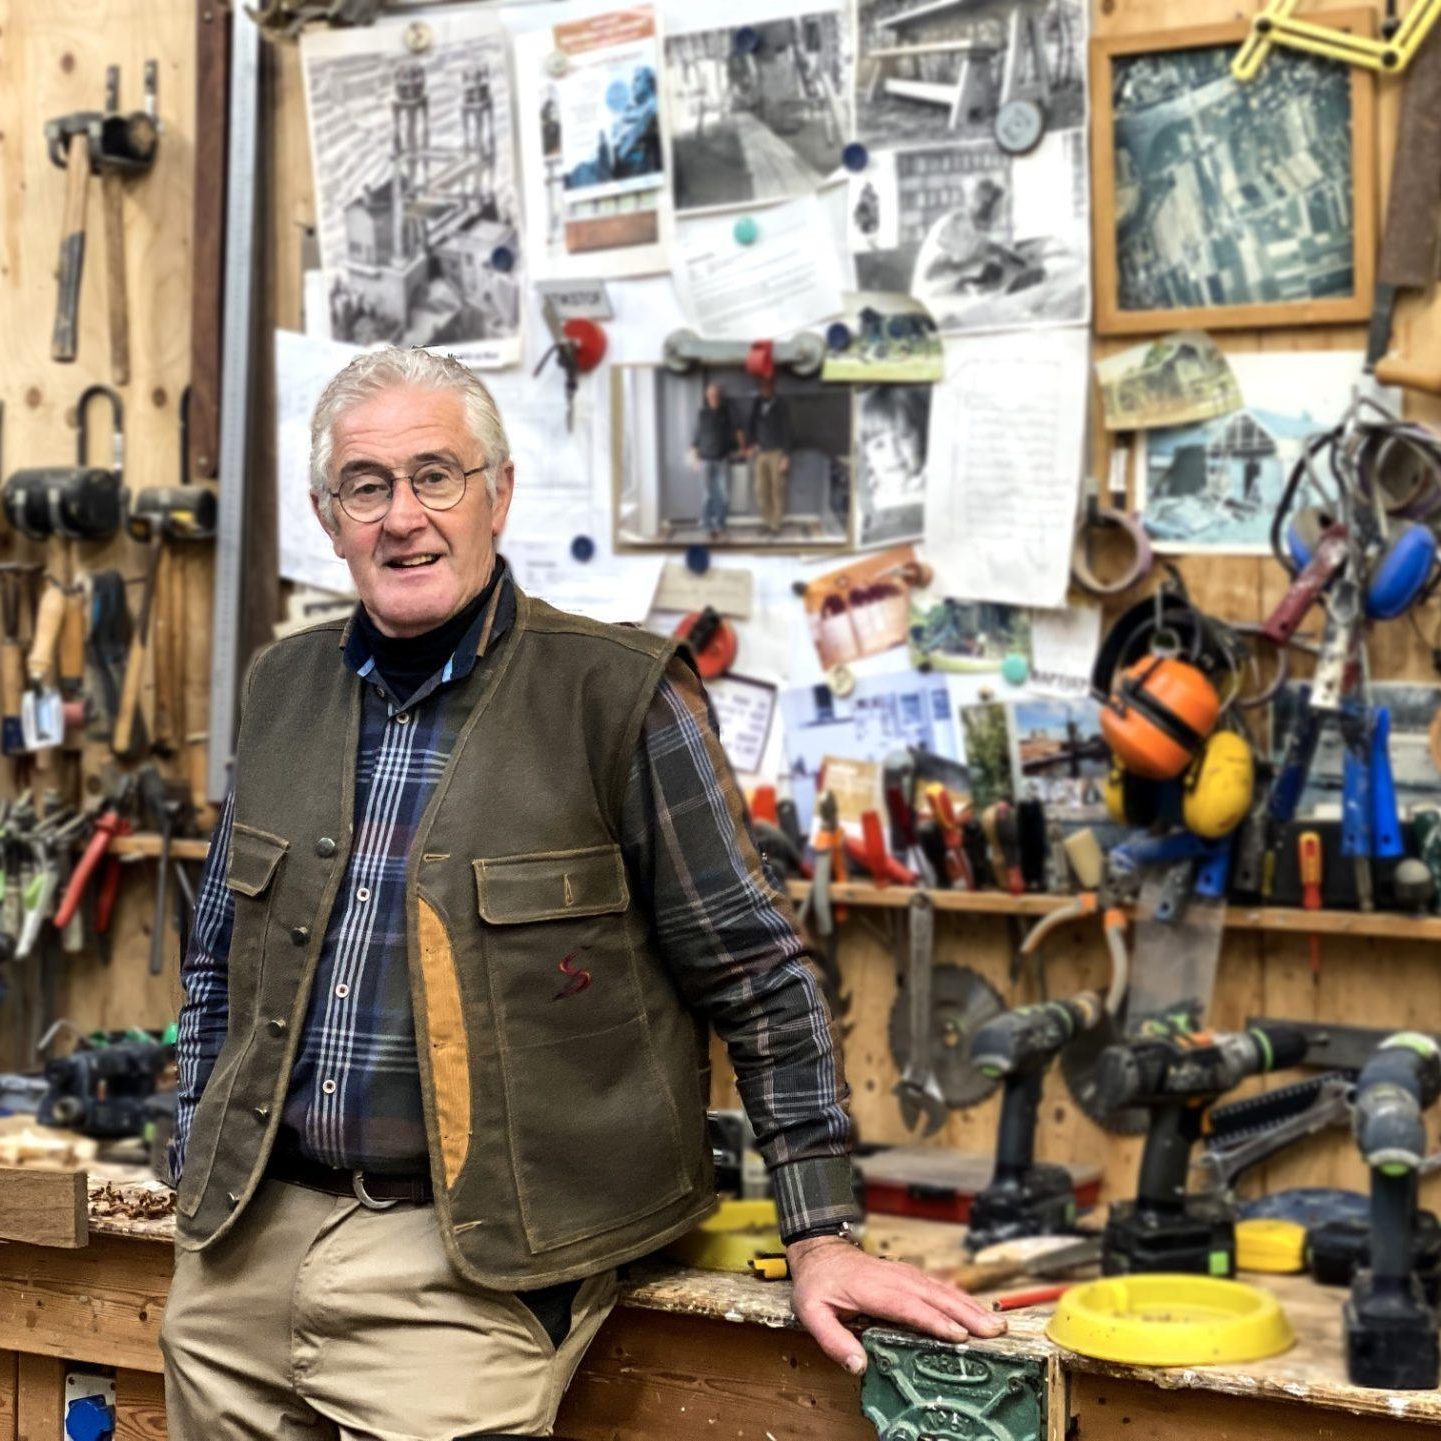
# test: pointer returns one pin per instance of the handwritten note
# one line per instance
(1007, 425)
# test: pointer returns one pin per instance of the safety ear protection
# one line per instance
(1132, 800)
(1399, 575)
(1218, 786)
(1158, 715)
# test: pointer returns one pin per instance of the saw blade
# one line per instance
(962, 1001)
(1079, 1063)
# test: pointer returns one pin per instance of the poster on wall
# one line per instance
(593, 156)
(758, 98)
(984, 240)
(416, 192)
(932, 72)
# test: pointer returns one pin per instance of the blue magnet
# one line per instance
(1015, 669)
(582, 548)
(747, 40)
(855, 156)
(745, 231)
(502, 258)
(697, 559)
(838, 335)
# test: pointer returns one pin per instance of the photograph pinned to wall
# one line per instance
(758, 102)
(936, 70)
(892, 431)
(1172, 380)
(987, 744)
(1222, 204)
(967, 636)
(705, 457)
(989, 241)
(1061, 758)
(889, 339)
(593, 158)
(884, 713)
(863, 608)
(1215, 486)
(1413, 711)
(744, 709)
(416, 193)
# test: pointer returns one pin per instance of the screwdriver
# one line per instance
(1308, 859)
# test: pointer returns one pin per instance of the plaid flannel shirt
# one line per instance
(725, 928)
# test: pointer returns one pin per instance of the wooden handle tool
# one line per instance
(63, 342)
(112, 193)
(128, 735)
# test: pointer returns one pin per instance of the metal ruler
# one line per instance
(235, 373)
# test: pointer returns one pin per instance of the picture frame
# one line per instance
(1161, 182)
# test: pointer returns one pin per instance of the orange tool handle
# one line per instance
(891, 870)
(1308, 857)
(99, 842)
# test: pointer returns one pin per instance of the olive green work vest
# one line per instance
(566, 1123)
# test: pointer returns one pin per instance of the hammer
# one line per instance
(111, 145)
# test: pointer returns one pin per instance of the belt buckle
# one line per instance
(357, 1184)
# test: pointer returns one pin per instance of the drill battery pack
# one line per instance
(1197, 1238)
(1039, 1202)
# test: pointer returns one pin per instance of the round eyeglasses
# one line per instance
(366, 495)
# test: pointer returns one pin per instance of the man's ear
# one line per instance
(333, 533)
(504, 491)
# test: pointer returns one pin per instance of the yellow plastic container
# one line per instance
(1170, 1320)
(1278, 1247)
(727, 1240)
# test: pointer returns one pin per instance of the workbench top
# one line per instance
(1311, 1371)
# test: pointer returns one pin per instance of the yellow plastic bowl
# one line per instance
(729, 1237)
(1170, 1320)
(1269, 1245)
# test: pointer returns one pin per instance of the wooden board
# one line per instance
(39, 1398)
(139, 1406)
(43, 1208)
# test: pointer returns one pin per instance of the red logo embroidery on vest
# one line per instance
(579, 977)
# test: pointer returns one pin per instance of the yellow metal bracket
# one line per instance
(1277, 25)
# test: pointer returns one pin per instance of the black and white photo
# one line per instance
(417, 203)
(984, 240)
(935, 70)
(708, 457)
(760, 107)
(892, 428)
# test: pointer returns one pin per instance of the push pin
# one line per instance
(502, 258)
(418, 37)
(697, 559)
(582, 549)
(855, 157)
(746, 231)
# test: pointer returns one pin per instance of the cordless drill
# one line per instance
(1025, 1198)
(1176, 1074)
(1391, 1331)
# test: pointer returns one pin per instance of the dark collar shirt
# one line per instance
(724, 926)
(714, 438)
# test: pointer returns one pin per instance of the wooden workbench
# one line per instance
(690, 1354)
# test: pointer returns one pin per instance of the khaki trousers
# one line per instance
(771, 487)
(319, 1318)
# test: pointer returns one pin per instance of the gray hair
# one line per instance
(377, 370)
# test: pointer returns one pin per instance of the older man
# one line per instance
(443, 1069)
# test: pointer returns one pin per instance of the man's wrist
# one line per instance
(841, 1231)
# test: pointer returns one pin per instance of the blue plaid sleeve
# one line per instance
(205, 1015)
(730, 937)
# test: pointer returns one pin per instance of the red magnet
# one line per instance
(761, 359)
(712, 642)
(587, 341)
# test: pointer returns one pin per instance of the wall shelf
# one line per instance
(1379, 925)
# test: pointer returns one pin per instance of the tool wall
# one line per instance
(53, 63)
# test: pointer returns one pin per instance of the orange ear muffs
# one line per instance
(1159, 714)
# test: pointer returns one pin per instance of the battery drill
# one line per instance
(1025, 1198)
(1176, 1074)
(1391, 1331)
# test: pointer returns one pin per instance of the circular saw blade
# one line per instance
(962, 1001)
(1079, 1062)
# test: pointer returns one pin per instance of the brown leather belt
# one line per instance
(377, 1189)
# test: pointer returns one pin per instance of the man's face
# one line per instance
(712, 396)
(397, 431)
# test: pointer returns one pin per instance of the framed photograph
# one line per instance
(1220, 205)
(707, 457)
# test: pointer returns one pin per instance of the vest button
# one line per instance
(277, 1026)
(325, 848)
(300, 934)
(262, 1113)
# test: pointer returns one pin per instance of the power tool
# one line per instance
(1391, 1331)
(1025, 1198)
(1175, 1073)
(101, 1087)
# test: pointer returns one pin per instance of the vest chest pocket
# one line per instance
(557, 941)
(250, 870)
